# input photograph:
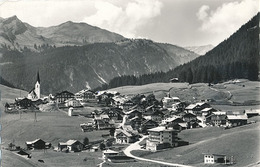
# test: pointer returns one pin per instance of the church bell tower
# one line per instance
(37, 87)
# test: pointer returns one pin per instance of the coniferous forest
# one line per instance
(235, 57)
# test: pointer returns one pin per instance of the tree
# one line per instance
(86, 141)
(102, 146)
(112, 131)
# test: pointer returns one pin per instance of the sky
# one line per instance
(178, 22)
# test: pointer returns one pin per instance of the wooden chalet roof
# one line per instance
(64, 92)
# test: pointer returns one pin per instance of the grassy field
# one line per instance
(224, 93)
(240, 142)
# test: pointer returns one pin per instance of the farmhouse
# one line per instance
(71, 145)
(73, 103)
(63, 96)
(236, 120)
(123, 136)
(37, 144)
(85, 95)
(189, 117)
(155, 115)
(23, 103)
(216, 120)
(161, 137)
(169, 101)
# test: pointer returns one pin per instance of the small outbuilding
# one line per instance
(214, 158)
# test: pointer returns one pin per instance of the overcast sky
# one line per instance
(180, 22)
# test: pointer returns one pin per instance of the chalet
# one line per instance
(73, 103)
(161, 137)
(169, 101)
(178, 113)
(71, 145)
(101, 124)
(63, 96)
(236, 120)
(190, 108)
(87, 127)
(135, 122)
(180, 106)
(85, 95)
(123, 136)
(23, 103)
(207, 111)
(138, 107)
(216, 120)
(148, 124)
(155, 115)
(173, 80)
(193, 124)
(189, 117)
(115, 114)
(127, 105)
(179, 126)
(133, 113)
(37, 144)
(214, 158)
(196, 108)
(250, 113)
(174, 121)
(103, 117)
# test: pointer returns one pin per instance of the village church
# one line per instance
(35, 93)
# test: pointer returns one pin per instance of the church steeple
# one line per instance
(38, 77)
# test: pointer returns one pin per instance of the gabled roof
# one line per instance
(160, 129)
(218, 117)
(237, 117)
(34, 141)
(189, 115)
(109, 151)
(71, 142)
(84, 91)
(208, 109)
(191, 106)
(65, 92)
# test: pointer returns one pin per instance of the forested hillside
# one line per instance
(74, 68)
(235, 57)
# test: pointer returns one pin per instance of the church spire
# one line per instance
(38, 77)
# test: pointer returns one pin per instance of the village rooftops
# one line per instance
(161, 129)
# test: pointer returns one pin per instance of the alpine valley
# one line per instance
(73, 56)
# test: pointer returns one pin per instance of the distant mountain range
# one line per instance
(236, 57)
(71, 56)
(16, 34)
(200, 50)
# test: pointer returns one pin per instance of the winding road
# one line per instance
(136, 146)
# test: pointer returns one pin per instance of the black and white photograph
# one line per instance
(129, 83)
